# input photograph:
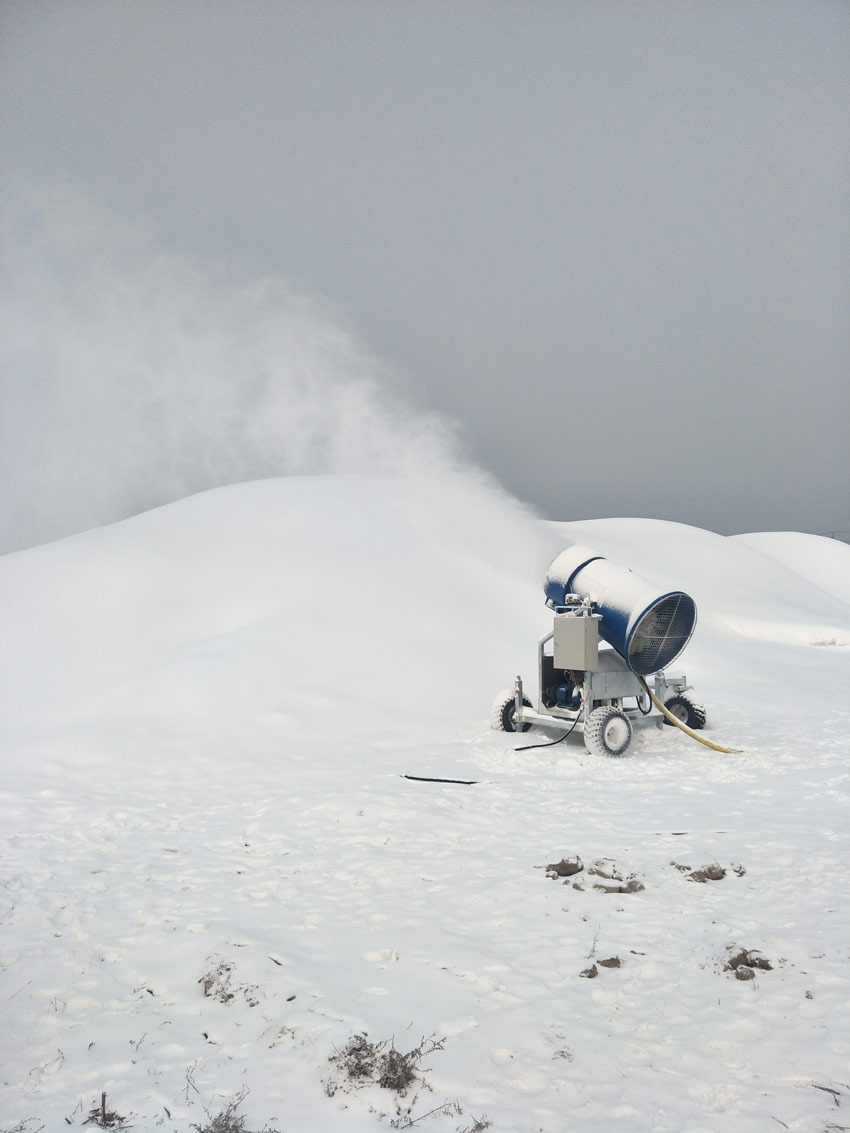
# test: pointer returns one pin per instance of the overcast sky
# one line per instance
(611, 238)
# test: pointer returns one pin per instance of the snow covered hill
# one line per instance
(215, 875)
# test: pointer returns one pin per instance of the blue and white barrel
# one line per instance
(648, 627)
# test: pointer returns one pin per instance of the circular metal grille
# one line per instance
(661, 633)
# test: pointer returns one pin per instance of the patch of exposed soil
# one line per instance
(714, 871)
(632, 885)
(593, 971)
(614, 878)
(744, 962)
(566, 867)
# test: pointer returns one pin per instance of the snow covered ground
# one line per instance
(214, 874)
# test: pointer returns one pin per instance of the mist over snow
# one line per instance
(133, 376)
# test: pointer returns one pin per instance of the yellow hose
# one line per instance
(679, 724)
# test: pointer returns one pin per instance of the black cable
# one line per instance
(551, 743)
(428, 779)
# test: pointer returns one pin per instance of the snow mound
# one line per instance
(317, 599)
(824, 563)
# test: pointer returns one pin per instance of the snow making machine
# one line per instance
(612, 630)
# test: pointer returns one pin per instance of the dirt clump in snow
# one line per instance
(713, 871)
(744, 963)
(566, 867)
(593, 971)
(606, 867)
(615, 877)
(631, 885)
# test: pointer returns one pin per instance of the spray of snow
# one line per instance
(134, 376)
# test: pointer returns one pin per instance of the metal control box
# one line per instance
(611, 679)
(576, 641)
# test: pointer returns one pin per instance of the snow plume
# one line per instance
(133, 376)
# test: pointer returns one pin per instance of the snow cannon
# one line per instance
(611, 630)
(648, 627)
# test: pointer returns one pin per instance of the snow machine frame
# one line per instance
(584, 689)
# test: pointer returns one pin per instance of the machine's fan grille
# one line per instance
(661, 634)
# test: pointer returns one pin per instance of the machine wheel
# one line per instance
(608, 731)
(503, 712)
(688, 712)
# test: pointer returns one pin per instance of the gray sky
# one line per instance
(611, 238)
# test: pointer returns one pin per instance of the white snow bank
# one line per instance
(823, 563)
(289, 604)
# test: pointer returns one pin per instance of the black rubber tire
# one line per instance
(689, 712)
(503, 713)
(608, 731)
